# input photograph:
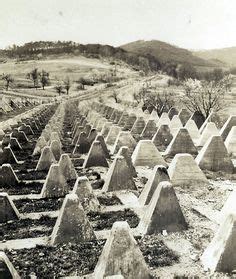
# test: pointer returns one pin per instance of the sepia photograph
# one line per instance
(117, 139)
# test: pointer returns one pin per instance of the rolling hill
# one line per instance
(226, 55)
(167, 53)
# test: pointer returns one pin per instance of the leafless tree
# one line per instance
(205, 96)
(59, 88)
(67, 85)
(44, 78)
(8, 80)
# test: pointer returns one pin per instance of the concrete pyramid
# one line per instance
(82, 145)
(105, 129)
(209, 130)
(181, 143)
(184, 171)
(67, 168)
(8, 211)
(163, 212)
(123, 119)
(72, 224)
(55, 136)
(159, 174)
(84, 191)
(138, 127)
(124, 138)
(92, 135)
(46, 159)
(100, 124)
(8, 156)
(118, 116)
(119, 176)
(214, 156)
(192, 129)
(56, 149)
(87, 129)
(149, 129)
(163, 120)
(7, 176)
(14, 144)
(154, 115)
(6, 140)
(124, 151)
(55, 185)
(175, 125)
(22, 138)
(162, 138)
(112, 134)
(7, 269)
(130, 122)
(227, 126)
(100, 138)
(220, 254)
(121, 255)
(41, 143)
(96, 156)
(146, 154)
(230, 142)
(184, 116)
(78, 131)
(172, 112)
(198, 118)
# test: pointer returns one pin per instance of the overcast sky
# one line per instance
(194, 24)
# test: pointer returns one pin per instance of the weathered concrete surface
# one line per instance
(82, 145)
(138, 127)
(100, 138)
(175, 125)
(112, 134)
(181, 143)
(84, 191)
(121, 255)
(193, 130)
(163, 120)
(184, 171)
(14, 144)
(220, 254)
(72, 224)
(184, 116)
(227, 126)
(8, 176)
(41, 143)
(124, 138)
(163, 212)
(146, 154)
(214, 156)
(124, 151)
(55, 184)
(159, 174)
(56, 149)
(119, 176)
(105, 129)
(8, 156)
(67, 168)
(46, 159)
(209, 130)
(8, 211)
(230, 142)
(96, 156)
(198, 118)
(149, 130)
(130, 122)
(162, 138)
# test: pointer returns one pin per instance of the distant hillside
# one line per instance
(167, 53)
(226, 55)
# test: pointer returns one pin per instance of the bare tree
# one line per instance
(8, 80)
(67, 85)
(159, 101)
(34, 76)
(206, 96)
(44, 78)
(59, 88)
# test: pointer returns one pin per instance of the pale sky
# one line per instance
(193, 24)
